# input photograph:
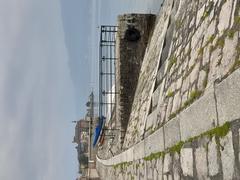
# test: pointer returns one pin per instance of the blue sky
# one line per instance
(48, 66)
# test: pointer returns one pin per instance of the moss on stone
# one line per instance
(220, 42)
(149, 128)
(237, 20)
(172, 115)
(210, 39)
(208, 10)
(178, 23)
(172, 61)
(193, 96)
(205, 15)
(153, 156)
(170, 94)
(230, 33)
(176, 148)
(220, 131)
(200, 51)
(122, 165)
(211, 49)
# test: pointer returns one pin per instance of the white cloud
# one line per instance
(36, 93)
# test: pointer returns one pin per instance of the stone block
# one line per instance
(196, 39)
(233, 13)
(151, 119)
(224, 17)
(155, 97)
(185, 84)
(154, 142)
(179, 82)
(213, 165)
(200, 14)
(194, 73)
(169, 107)
(201, 163)
(160, 73)
(187, 161)
(228, 98)
(172, 132)
(206, 55)
(198, 117)
(167, 164)
(201, 79)
(229, 54)
(176, 102)
(227, 156)
(176, 167)
(155, 175)
(159, 168)
(209, 32)
(214, 70)
(149, 170)
(139, 150)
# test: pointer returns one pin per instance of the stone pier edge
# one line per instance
(218, 105)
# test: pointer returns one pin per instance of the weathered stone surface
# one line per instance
(233, 13)
(209, 32)
(169, 107)
(151, 119)
(154, 142)
(196, 39)
(189, 44)
(201, 80)
(167, 166)
(224, 17)
(187, 161)
(227, 156)
(172, 132)
(176, 167)
(228, 98)
(199, 15)
(199, 117)
(194, 73)
(176, 102)
(149, 170)
(213, 165)
(185, 84)
(159, 168)
(155, 97)
(229, 54)
(206, 56)
(214, 72)
(201, 163)
(179, 82)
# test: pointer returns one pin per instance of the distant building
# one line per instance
(81, 131)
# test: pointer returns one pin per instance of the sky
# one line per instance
(48, 67)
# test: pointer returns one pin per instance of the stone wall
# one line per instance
(189, 146)
(213, 155)
(185, 116)
(203, 50)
